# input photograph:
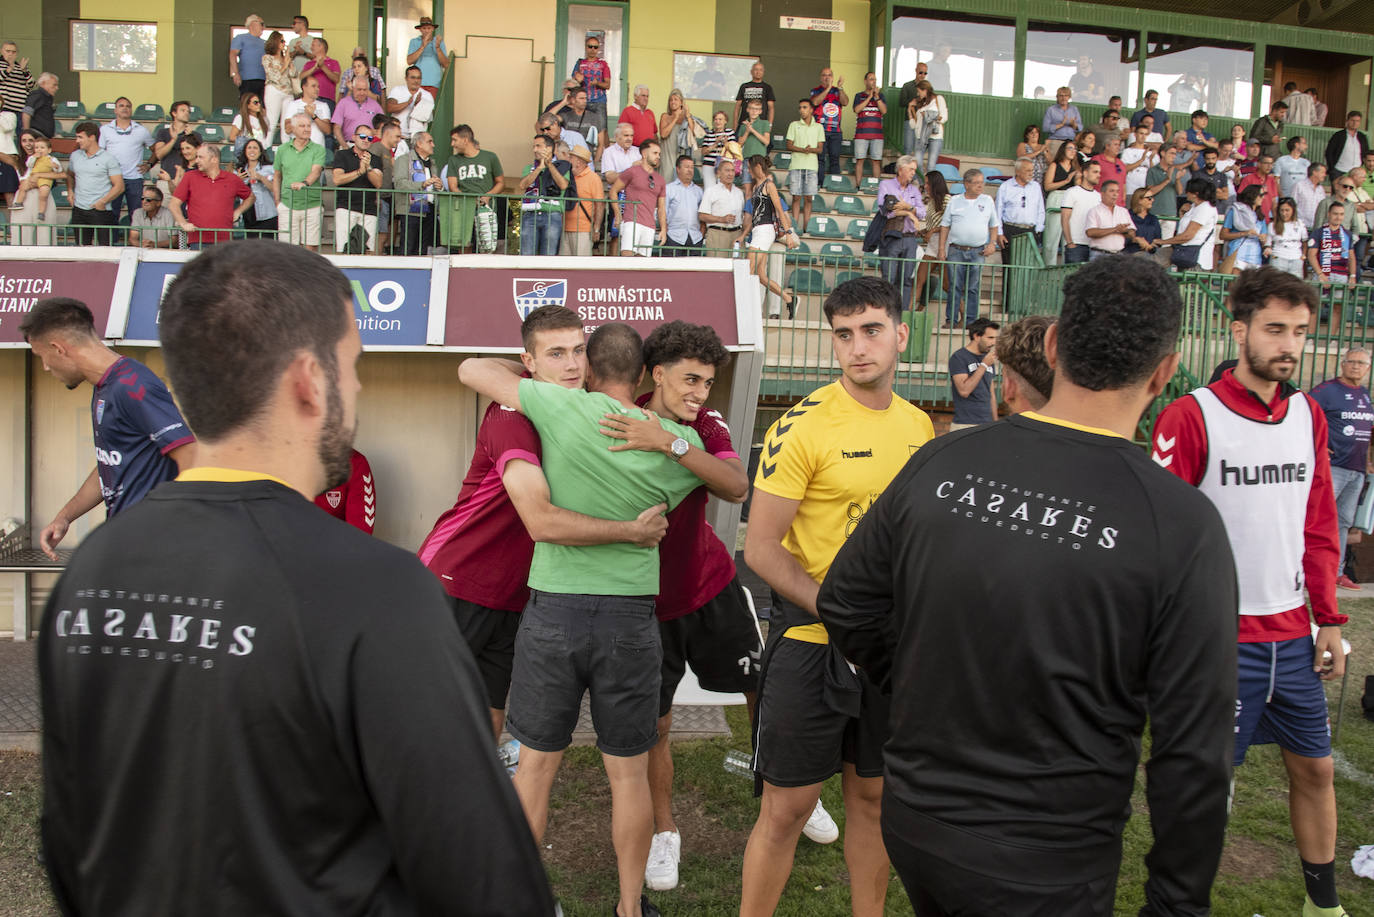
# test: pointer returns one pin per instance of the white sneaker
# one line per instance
(660, 873)
(820, 827)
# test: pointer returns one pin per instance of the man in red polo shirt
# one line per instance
(208, 194)
(639, 116)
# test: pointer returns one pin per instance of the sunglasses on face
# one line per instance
(366, 137)
(150, 200)
(593, 47)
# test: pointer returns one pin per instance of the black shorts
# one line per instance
(490, 633)
(720, 640)
(800, 738)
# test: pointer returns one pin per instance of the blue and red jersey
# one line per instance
(137, 426)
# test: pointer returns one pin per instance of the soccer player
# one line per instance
(140, 438)
(703, 615)
(355, 500)
(1099, 592)
(481, 548)
(247, 707)
(590, 624)
(824, 463)
(1257, 447)
(1027, 379)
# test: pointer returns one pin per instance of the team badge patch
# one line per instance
(334, 498)
(99, 410)
(531, 293)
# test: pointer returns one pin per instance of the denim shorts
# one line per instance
(569, 644)
(868, 149)
(803, 181)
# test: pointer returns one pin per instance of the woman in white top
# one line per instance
(281, 70)
(929, 114)
(251, 122)
(1287, 238)
(1198, 228)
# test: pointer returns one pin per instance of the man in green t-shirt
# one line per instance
(472, 170)
(590, 620)
(296, 186)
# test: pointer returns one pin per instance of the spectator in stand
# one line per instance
(477, 174)
(969, 231)
(245, 57)
(387, 147)
(376, 89)
(11, 165)
(721, 212)
(575, 118)
(22, 228)
(1197, 138)
(1363, 202)
(166, 153)
(594, 75)
(713, 147)
(1320, 108)
(299, 46)
(416, 172)
(411, 104)
(1195, 242)
(674, 127)
(640, 117)
(127, 140)
(931, 115)
(1137, 158)
(254, 170)
(1247, 162)
(1300, 108)
(754, 134)
(1165, 182)
(904, 100)
(905, 212)
(15, 80)
(428, 52)
(1244, 232)
(1106, 129)
(1061, 175)
(935, 191)
(1346, 150)
(151, 225)
(1352, 219)
(355, 500)
(1292, 168)
(1031, 148)
(582, 222)
(1329, 249)
(213, 200)
(551, 126)
(645, 216)
(324, 68)
(1087, 82)
(355, 212)
(682, 203)
(1308, 193)
(1265, 178)
(251, 123)
(805, 139)
(1345, 402)
(96, 181)
(279, 72)
(357, 108)
(620, 155)
(1268, 130)
(186, 161)
(1147, 229)
(765, 215)
(756, 88)
(544, 183)
(317, 111)
(296, 186)
(1238, 138)
(43, 169)
(1160, 116)
(1020, 207)
(1182, 155)
(1109, 226)
(1062, 121)
(869, 110)
(1288, 240)
(38, 112)
(1074, 208)
(1086, 141)
(1219, 179)
(1113, 169)
(828, 101)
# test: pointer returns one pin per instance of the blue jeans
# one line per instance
(131, 199)
(1347, 484)
(1079, 254)
(830, 153)
(927, 154)
(540, 232)
(908, 138)
(899, 265)
(966, 274)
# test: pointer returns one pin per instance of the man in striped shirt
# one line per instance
(16, 82)
(869, 109)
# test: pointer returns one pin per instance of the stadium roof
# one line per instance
(1337, 15)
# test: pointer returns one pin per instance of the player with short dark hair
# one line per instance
(1257, 447)
(237, 684)
(140, 437)
(1098, 591)
(1027, 378)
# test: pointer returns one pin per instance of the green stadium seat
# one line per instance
(824, 227)
(197, 114)
(226, 153)
(846, 147)
(149, 111)
(837, 254)
(849, 205)
(807, 280)
(842, 276)
(779, 142)
(222, 116)
(103, 111)
(59, 194)
(870, 184)
(799, 255)
(819, 205)
(841, 183)
(781, 160)
(70, 109)
(858, 228)
(213, 133)
(67, 132)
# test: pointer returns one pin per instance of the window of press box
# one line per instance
(1095, 65)
(114, 47)
(1189, 74)
(977, 57)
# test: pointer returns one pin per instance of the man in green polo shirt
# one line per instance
(471, 170)
(296, 186)
(590, 620)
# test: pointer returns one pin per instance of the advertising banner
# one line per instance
(487, 305)
(390, 305)
(23, 283)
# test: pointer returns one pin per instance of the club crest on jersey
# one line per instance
(530, 293)
(100, 410)
(334, 498)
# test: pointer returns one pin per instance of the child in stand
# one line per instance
(42, 167)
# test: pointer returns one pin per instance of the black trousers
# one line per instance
(675, 249)
(93, 218)
(418, 233)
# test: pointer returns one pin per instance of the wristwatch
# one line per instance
(679, 448)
